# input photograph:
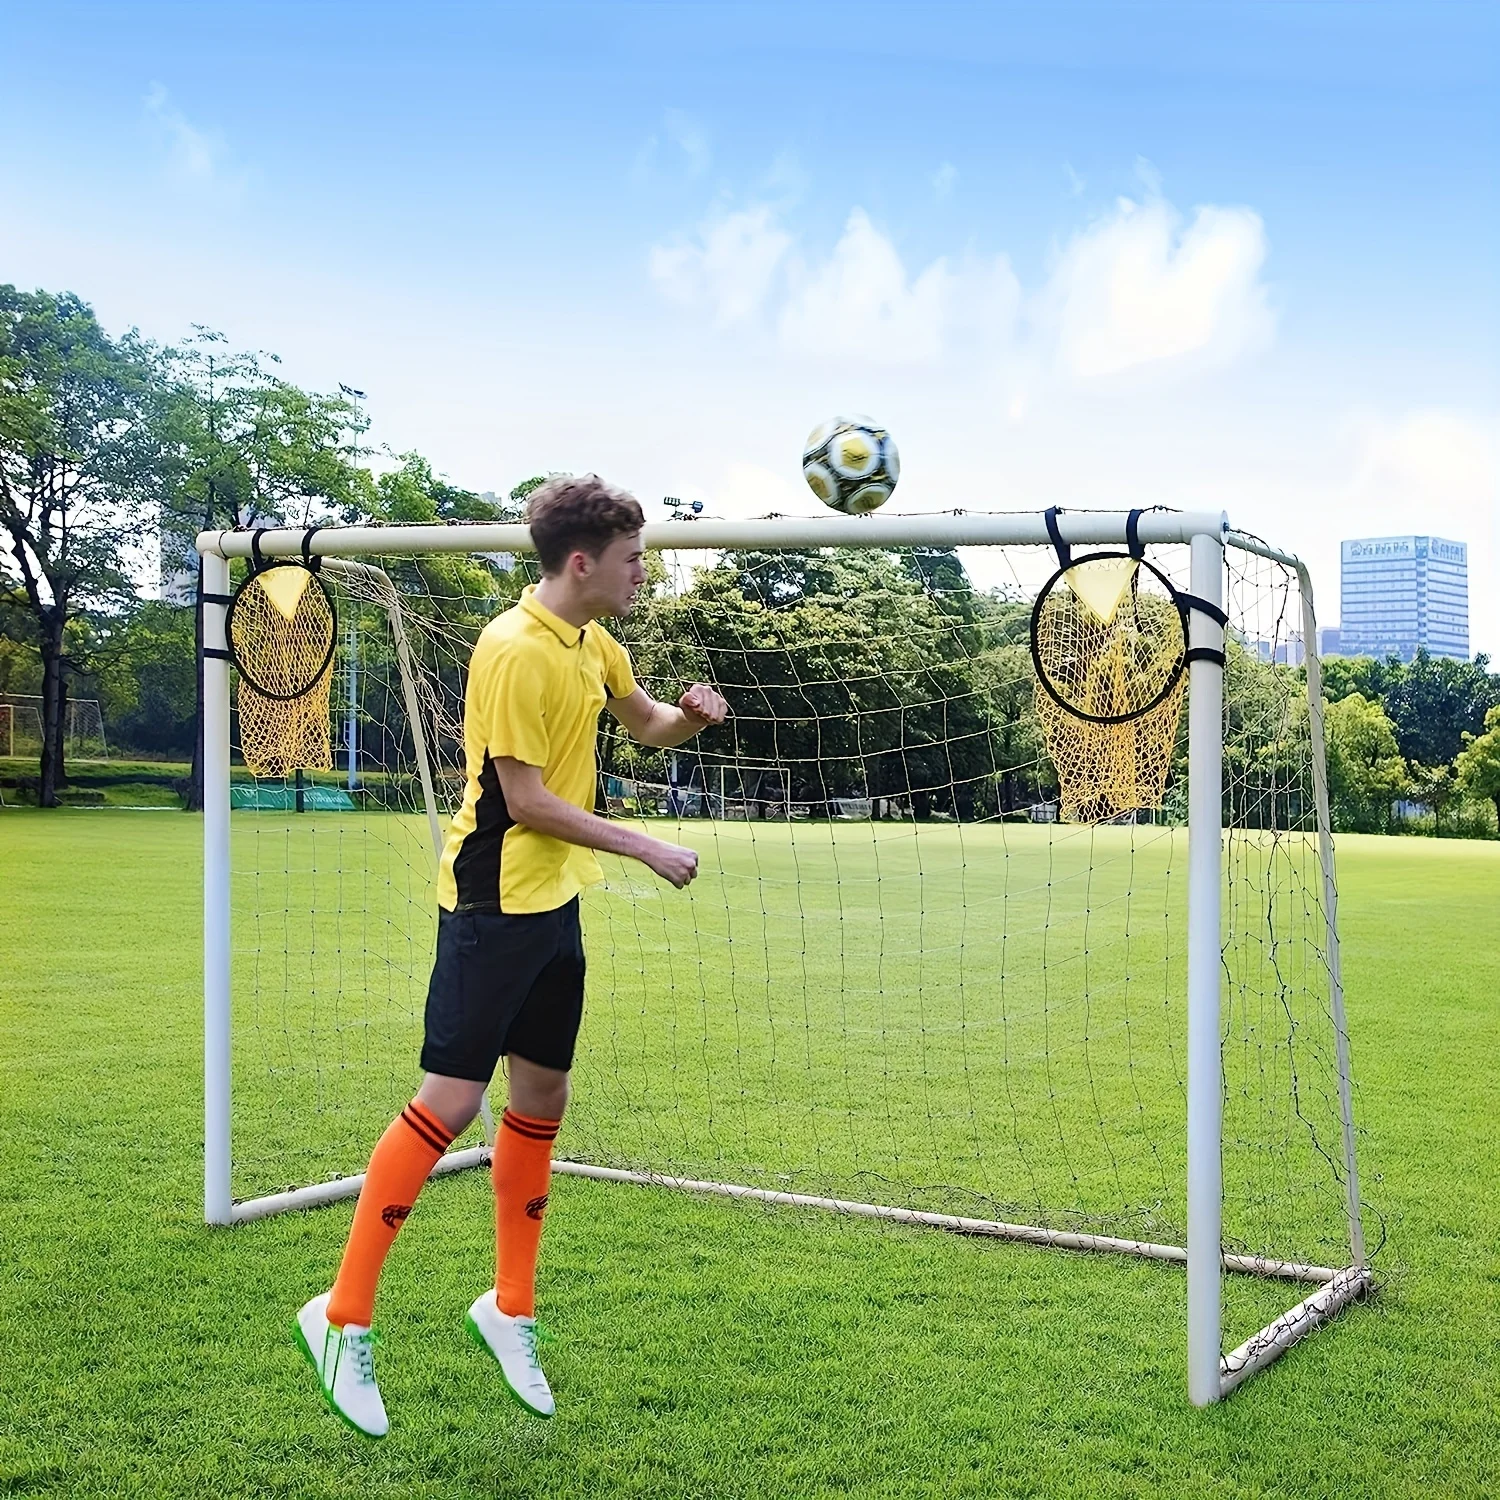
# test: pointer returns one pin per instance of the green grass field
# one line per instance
(703, 1348)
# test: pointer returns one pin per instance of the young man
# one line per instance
(508, 979)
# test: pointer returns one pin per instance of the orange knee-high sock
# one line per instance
(412, 1142)
(523, 1173)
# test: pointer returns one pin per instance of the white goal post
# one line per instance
(21, 727)
(1211, 984)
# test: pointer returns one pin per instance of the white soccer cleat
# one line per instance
(513, 1343)
(345, 1361)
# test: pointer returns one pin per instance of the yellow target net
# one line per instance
(281, 634)
(1108, 645)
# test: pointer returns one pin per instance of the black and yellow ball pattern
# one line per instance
(851, 465)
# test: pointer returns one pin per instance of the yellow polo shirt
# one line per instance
(536, 686)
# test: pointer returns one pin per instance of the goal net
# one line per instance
(894, 990)
(21, 727)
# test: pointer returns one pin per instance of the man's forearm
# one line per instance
(547, 813)
(669, 727)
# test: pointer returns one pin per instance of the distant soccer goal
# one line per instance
(21, 727)
(1064, 973)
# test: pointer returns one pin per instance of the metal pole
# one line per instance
(962, 529)
(217, 1201)
(1205, 1065)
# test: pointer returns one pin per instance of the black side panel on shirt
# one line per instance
(476, 866)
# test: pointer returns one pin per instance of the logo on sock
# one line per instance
(395, 1214)
(535, 1207)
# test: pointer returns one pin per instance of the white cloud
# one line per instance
(194, 156)
(860, 302)
(943, 180)
(727, 268)
(1076, 184)
(1135, 288)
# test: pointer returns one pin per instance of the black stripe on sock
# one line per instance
(415, 1124)
(431, 1121)
(529, 1131)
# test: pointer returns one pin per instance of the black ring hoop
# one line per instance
(1036, 659)
(333, 634)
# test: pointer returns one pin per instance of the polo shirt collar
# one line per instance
(569, 635)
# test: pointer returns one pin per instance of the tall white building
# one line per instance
(1402, 593)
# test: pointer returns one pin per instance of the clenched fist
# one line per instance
(704, 705)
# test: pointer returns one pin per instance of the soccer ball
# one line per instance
(851, 465)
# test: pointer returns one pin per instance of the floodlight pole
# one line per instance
(1205, 1102)
(218, 1204)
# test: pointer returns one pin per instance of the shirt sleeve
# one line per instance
(619, 676)
(510, 693)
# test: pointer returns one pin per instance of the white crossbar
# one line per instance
(768, 533)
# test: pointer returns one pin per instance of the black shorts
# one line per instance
(504, 984)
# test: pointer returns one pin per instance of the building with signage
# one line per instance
(1402, 593)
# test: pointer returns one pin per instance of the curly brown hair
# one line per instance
(579, 513)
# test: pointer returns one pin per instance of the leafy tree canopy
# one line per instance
(79, 472)
(1478, 763)
(1432, 702)
(1365, 770)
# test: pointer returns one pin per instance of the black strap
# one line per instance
(217, 654)
(1204, 653)
(257, 562)
(1214, 654)
(311, 563)
(225, 599)
(1203, 607)
(1064, 552)
(1133, 535)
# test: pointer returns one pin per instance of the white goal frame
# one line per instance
(31, 704)
(1210, 1377)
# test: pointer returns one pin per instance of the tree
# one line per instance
(1364, 675)
(1365, 771)
(20, 662)
(1434, 787)
(78, 467)
(854, 670)
(519, 493)
(244, 447)
(142, 672)
(447, 599)
(1267, 773)
(1478, 764)
(1435, 701)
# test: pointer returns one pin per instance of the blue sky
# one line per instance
(1234, 256)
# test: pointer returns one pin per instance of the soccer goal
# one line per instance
(21, 727)
(899, 995)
